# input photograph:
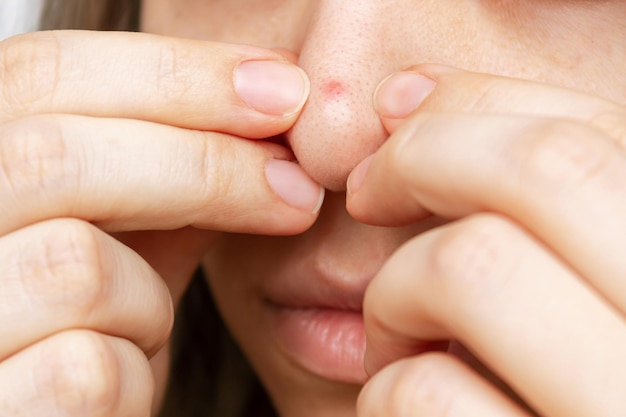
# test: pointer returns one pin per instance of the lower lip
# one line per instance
(326, 342)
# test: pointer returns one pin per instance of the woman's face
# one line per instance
(294, 302)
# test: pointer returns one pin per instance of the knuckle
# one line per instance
(173, 79)
(562, 155)
(35, 156)
(474, 258)
(29, 71)
(64, 270)
(80, 375)
(218, 177)
(423, 388)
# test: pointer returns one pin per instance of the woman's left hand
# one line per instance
(530, 273)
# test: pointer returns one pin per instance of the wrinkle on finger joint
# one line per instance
(473, 260)
(29, 72)
(562, 156)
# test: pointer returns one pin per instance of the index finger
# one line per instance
(162, 178)
(437, 88)
(236, 89)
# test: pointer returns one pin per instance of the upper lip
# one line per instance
(316, 277)
(307, 286)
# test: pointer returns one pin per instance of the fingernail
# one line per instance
(293, 185)
(401, 93)
(272, 87)
(358, 175)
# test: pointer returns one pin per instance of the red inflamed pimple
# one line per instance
(333, 89)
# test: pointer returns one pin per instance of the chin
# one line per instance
(295, 392)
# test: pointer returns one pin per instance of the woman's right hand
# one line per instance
(124, 132)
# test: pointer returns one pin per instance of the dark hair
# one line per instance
(91, 14)
(209, 375)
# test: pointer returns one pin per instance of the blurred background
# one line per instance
(18, 16)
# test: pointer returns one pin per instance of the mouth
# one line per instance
(315, 310)
(320, 327)
(327, 342)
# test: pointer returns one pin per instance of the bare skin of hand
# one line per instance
(528, 274)
(121, 155)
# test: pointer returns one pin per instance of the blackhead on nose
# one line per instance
(345, 55)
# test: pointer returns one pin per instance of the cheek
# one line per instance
(228, 281)
(235, 267)
(237, 301)
(271, 23)
(578, 45)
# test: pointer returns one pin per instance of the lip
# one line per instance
(316, 320)
(314, 302)
(327, 342)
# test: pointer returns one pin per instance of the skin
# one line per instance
(75, 339)
(491, 211)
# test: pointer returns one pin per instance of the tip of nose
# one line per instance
(327, 166)
(337, 128)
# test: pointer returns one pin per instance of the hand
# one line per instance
(529, 273)
(125, 133)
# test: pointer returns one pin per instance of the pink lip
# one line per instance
(315, 302)
(317, 321)
(327, 342)
(315, 315)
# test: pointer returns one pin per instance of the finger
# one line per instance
(562, 180)
(65, 274)
(437, 88)
(519, 309)
(433, 385)
(127, 174)
(176, 268)
(76, 374)
(242, 90)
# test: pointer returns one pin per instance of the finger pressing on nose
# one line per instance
(127, 175)
(399, 95)
(438, 88)
(236, 89)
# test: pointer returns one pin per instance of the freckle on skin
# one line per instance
(332, 89)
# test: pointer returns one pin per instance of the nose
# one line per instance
(344, 53)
